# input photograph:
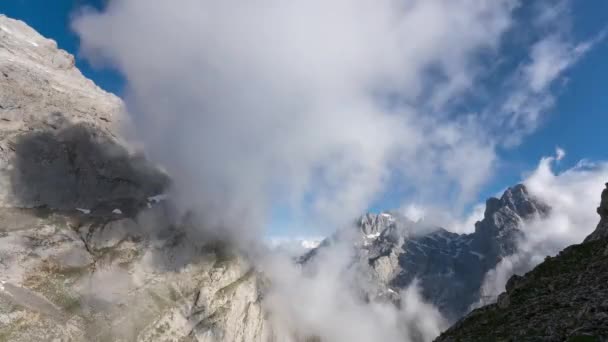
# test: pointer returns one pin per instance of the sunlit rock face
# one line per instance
(89, 251)
(449, 267)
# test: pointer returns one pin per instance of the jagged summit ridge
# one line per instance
(449, 267)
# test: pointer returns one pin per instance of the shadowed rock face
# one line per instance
(601, 231)
(58, 146)
(78, 167)
(565, 298)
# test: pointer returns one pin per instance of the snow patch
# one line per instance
(479, 255)
(372, 236)
(117, 211)
(84, 211)
(311, 244)
(157, 198)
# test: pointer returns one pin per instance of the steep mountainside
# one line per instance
(565, 298)
(87, 250)
(450, 267)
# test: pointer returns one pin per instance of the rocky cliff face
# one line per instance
(82, 278)
(565, 298)
(601, 232)
(87, 252)
(57, 142)
(450, 268)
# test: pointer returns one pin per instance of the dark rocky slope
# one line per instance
(565, 298)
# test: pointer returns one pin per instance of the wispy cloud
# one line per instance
(533, 87)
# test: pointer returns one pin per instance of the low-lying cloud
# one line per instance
(327, 301)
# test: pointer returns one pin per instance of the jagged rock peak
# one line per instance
(517, 199)
(375, 224)
(602, 228)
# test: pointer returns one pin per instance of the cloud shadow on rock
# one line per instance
(78, 166)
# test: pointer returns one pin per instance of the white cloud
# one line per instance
(252, 104)
(325, 301)
(414, 212)
(559, 153)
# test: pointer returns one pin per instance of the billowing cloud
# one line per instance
(311, 103)
(325, 301)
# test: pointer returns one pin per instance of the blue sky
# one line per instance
(577, 122)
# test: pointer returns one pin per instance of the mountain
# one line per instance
(449, 267)
(565, 298)
(88, 249)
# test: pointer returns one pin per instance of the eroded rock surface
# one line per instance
(88, 251)
(74, 277)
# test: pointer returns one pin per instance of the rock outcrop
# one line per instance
(87, 251)
(565, 298)
(81, 278)
(601, 232)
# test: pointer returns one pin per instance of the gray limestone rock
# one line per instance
(58, 146)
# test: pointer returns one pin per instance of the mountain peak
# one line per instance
(517, 199)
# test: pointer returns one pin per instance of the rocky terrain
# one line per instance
(88, 251)
(450, 268)
(565, 298)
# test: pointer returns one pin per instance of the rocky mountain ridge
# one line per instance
(565, 298)
(449, 267)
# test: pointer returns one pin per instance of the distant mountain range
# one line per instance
(449, 267)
